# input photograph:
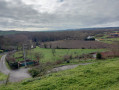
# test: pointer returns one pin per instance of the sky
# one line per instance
(43, 15)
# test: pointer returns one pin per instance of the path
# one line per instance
(15, 75)
(66, 67)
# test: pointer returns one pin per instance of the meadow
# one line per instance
(105, 39)
(102, 75)
(48, 55)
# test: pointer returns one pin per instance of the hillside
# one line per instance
(9, 32)
(102, 75)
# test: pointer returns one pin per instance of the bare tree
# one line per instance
(38, 56)
(53, 52)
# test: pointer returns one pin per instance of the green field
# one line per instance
(105, 39)
(49, 57)
(102, 75)
(110, 40)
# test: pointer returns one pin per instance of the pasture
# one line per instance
(48, 55)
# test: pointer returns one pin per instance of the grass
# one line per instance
(0, 56)
(49, 57)
(102, 75)
(2, 76)
(107, 40)
(110, 40)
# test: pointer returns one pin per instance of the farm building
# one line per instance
(90, 38)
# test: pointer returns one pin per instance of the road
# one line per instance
(15, 75)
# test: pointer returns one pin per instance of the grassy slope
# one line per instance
(48, 56)
(97, 76)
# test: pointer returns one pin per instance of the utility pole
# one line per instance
(31, 48)
(24, 53)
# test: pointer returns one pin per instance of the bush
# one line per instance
(68, 61)
(38, 71)
(12, 62)
(58, 62)
(33, 72)
(98, 56)
(13, 65)
(1, 51)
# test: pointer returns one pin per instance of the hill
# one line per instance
(11, 32)
(102, 75)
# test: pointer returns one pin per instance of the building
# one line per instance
(90, 38)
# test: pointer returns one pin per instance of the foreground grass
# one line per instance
(0, 57)
(103, 75)
(49, 57)
(2, 76)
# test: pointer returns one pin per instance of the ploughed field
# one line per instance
(75, 44)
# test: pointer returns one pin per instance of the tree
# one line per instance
(38, 56)
(98, 56)
(53, 52)
(45, 45)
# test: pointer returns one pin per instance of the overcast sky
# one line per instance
(58, 14)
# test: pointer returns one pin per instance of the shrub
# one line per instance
(33, 72)
(38, 56)
(45, 45)
(98, 56)
(1, 51)
(40, 70)
(53, 52)
(67, 57)
(13, 65)
(12, 62)
(58, 62)
(68, 61)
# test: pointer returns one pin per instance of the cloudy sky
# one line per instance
(58, 14)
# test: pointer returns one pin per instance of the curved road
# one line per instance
(15, 75)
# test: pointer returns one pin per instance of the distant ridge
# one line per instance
(2, 32)
(9, 32)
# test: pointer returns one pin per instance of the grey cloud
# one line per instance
(71, 14)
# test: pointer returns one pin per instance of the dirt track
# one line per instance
(21, 74)
(66, 67)
(15, 75)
